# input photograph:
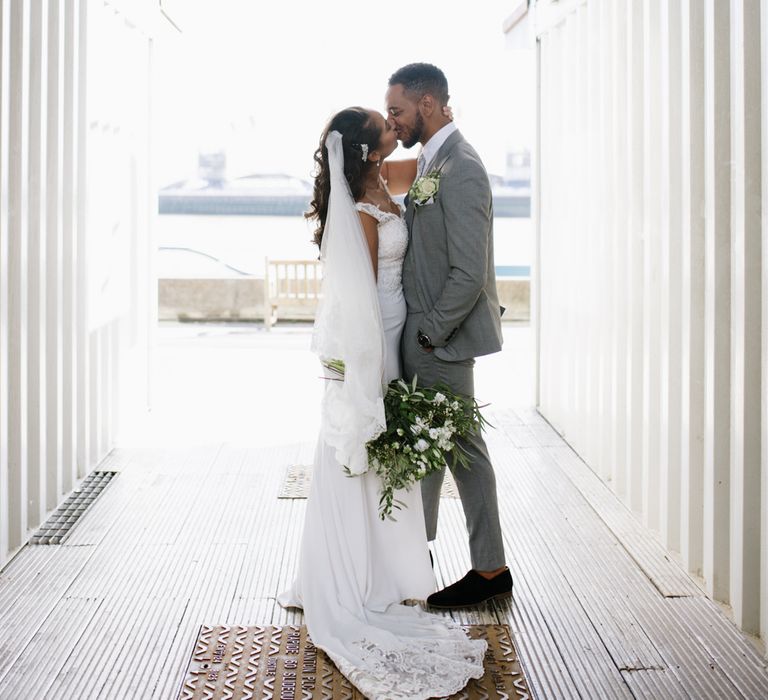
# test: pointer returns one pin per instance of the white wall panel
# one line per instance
(764, 297)
(18, 232)
(662, 105)
(54, 258)
(717, 293)
(670, 316)
(5, 70)
(745, 313)
(36, 342)
(617, 165)
(61, 376)
(692, 280)
(634, 282)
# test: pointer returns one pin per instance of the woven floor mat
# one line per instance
(282, 663)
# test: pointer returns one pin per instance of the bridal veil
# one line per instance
(348, 325)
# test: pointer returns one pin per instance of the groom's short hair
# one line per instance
(421, 79)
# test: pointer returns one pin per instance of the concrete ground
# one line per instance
(238, 383)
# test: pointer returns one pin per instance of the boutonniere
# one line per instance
(424, 189)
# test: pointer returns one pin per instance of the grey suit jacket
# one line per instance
(449, 277)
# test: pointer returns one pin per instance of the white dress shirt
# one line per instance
(431, 148)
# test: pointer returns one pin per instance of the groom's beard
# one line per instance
(416, 132)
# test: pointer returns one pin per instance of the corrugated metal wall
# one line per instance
(74, 246)
(652, 334)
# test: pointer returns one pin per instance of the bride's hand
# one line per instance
(448, 112)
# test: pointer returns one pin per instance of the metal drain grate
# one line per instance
(298, 478)
(57, 527)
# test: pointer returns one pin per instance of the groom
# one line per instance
(453, 308)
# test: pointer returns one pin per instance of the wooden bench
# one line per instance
(291, 290)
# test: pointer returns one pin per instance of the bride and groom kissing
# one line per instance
(407, 292)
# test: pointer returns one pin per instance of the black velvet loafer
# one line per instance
(472, 590)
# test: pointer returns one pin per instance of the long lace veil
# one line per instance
(348, 325)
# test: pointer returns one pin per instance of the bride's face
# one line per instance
(388, 139)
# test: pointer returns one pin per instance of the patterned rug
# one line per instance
(298, 478)
(281, 663)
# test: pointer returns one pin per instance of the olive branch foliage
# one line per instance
(423, 426)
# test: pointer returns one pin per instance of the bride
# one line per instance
(354, 568)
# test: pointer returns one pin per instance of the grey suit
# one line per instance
(450, 289)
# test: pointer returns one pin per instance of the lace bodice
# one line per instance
(393, 242)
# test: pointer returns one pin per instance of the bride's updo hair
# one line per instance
(356, 128)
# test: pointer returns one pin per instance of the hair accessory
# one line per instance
(364, 147)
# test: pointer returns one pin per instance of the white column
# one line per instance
(4, 251)
(606, 270)
(69, 296)
(544, 274)
(651, 278)
(575, 67)
(619, 233)
(54, 258)
(113, 357)
(591, 38)
(17, 272)
(84, 406)
(634, 279)
(692, 325)
(717, 317)
(745, 314)
(536, 296)
(37, 263)
(764, 376)
(670, 288)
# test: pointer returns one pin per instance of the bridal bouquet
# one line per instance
(423, 424)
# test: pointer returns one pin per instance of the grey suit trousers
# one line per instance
(477, 484)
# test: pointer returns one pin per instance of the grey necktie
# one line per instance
(420, 165)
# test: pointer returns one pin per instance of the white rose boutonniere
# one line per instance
(424, 189)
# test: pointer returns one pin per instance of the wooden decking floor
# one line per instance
(185, 536)
(196, 534)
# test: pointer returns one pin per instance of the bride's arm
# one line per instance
(371, 230)
(399, 175)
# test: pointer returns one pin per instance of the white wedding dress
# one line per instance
(355, 569)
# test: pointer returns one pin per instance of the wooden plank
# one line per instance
(642, 546)
(591, 667)
(588, 561)
(35, 585)
(654, 683)
(48, 650)
(729, 648)
(682, 654)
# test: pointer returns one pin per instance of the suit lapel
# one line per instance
(440, 158)
(445, 151)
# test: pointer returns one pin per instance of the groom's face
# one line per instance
(404, 116)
